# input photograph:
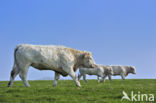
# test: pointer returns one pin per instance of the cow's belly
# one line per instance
(41, 66)
(91, 72)
(116, 73)
(45, 67)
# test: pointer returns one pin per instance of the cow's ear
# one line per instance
(88, 53)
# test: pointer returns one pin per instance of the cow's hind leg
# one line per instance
(57, 77)
(73, 75)
(23, 75)
(13, 74)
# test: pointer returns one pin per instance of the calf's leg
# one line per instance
(79, 76)
(110, 78)
(98, 78)
(102, 75)
(84, 78)
(103, 78)
(123, 76)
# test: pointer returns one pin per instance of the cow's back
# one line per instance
(43, 57)
(32, 52)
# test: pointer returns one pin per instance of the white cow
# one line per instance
(99, 70)
(60, 59)
(123, 71)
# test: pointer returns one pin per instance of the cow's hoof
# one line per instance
(78, 85)
(86, 81)
(27, 86)
(79, 88)
(54, 85)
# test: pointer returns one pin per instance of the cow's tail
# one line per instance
(15, 56)
(15, 51)
(15, 69)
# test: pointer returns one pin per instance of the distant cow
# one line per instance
(99, 70)
(60, 59)
(123, 71)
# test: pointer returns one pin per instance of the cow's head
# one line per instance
(132, 70)
(87, 60)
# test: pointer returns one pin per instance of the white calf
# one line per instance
(123, 71)
(99, 70)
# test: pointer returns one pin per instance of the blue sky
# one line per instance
(117, 32)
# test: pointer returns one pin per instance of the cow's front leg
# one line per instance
(73, 75)
(57, 77)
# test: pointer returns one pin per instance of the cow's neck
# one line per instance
(78, 62)
(75, 67)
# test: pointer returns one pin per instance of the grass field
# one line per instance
(67, 92)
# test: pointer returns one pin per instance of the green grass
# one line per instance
(67, 92)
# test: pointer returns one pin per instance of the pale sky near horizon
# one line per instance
(117, 32)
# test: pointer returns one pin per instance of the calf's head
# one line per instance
(108, 70)
(87, 60)
(132, 69)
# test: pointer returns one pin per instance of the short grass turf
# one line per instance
(42, 91)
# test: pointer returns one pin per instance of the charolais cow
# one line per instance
(62, 60)
(123, 71)
(99, 70)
